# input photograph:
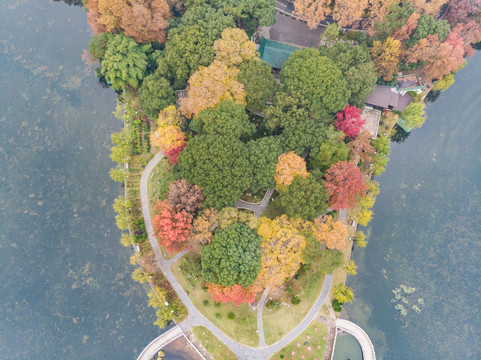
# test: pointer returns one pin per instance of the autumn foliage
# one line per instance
(171, 228)
(349, 121)
(314, 11)
(361, 148)
(235, 293)
(185, 196)
(202, 229)
(169, 136)
(211, 85)
(344, 184)
(385, 56)
(281, 251)
(234, 47)
(331, 233)
(144, 21)
(288, 166)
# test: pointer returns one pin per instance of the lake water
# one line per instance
(419, 279)
(65, 283)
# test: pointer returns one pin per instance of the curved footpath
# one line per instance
(366, 345)
(195, 318)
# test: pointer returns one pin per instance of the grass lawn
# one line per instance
(282, 319)
(157, 186)
(243, 328)
(271, 211)
(315, 335)
(213, 345)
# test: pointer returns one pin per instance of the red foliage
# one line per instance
(235, 293)
(344, 184)
(171, 228)
(349, 121)
(173, 154)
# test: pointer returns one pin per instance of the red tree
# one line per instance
(349, 121)
(235, 293)
(173, 154)
(344, 184)
(171, 228)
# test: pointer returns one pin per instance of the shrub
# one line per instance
(336, 305)
(231, 316)
(295, 300)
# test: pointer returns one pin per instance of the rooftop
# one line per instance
(387, 98)
(372, 118)
(408, 82)
(275, 53)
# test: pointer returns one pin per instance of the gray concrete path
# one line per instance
(161, 341)
(353, 329)
(257, 208)
(195, 318)
(260, 325)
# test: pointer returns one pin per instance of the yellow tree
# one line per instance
(202, 227)
(169, 135)
(364, 216)
(211, 85)
(314, 11)
(349, 12)
(385, 56)
(288, 166)
(282, 248)
(430, 7)
(332, 233)
(234, 47)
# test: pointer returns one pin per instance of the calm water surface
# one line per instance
(419, 279)
(65, 283)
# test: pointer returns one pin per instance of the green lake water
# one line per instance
(65, 285)
(419, 279)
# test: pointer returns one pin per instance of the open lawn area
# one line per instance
(278, 317)
(242, 328)
(309, 345)
(212, 344)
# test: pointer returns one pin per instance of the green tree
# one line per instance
(122, 150)
(98, 45)
(125, 62)
(219, 165)
(329, 260)
(263, 154)
(234, 257)
(155, 94)
(299, 133)
(191, 44)
(358, 69)
(413, 114)
(318, 79)
(258, 83)
(331, 151)
(331, 33)
(228, 119)
(343, 293)
(394, 20)
(427, 25)
(304, 197)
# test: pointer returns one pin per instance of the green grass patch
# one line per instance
(315, 336)
(242, 328)
(281, 319)
(271, 211)
(212, 344)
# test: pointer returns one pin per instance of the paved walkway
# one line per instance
(366, 344)
(195, 318)
(158, 343)
(257, 208)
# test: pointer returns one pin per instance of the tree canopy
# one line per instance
(234, 47)
(263, 154)
(233, 257)
(124, 62)
(258, 83)
(155, 94)
(228, 119)
(289, 165)
(317, 78)
(219, 165)
(305, 197)
(331, 151)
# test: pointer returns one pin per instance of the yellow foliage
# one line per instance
(234, 47)
(169, 135)
(314, 11)
(211, 85)
(332, 233)
(288, 166)
(385, 56)
(349, 12)
(281, 251)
